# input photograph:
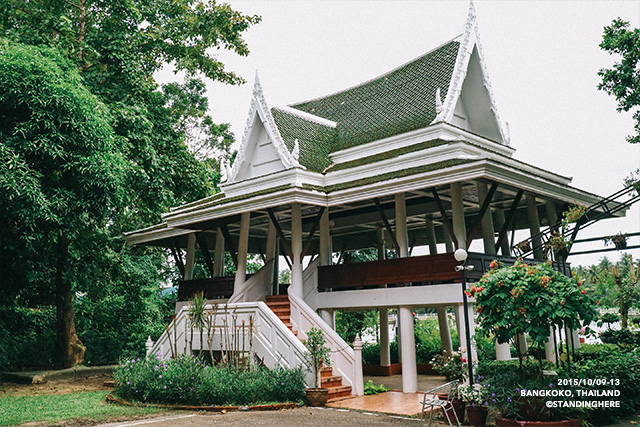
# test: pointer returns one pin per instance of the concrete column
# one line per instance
(521, 343)
(271, 242)
(534, 226)
(503, 351)
(325, 239)
(488, 232)
(549, 347)
(448, 239)
(462, 335)
(431, 236)
(218, 255)
(358, 381)
(380, 243)
(191, 253)
(399, 334)
(243, 246)
(401, 226)
(409, 368)
(445, 333)
(505, 249)
(296, 248)
(576, 338)
(552, 213)
(457, 213)
(327, 315)
(385, 351)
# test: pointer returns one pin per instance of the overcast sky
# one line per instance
(542, 58)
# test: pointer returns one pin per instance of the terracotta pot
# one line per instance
(506, 422)
(477, 415)
(317, 396)
(458, 407)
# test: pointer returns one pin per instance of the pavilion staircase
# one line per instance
(281, 307)
(605, 208)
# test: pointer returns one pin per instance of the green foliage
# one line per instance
(188, 381)
(622, 80)
(26, 337)
(371, 353)
(371, 388)
(318, 355)
(84, 408)
(351, 323)
(529, 299)
(453, 366)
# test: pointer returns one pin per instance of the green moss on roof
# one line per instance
(388, 155)
(315, 140)
(397, 102)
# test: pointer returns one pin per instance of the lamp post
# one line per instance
(461, 256)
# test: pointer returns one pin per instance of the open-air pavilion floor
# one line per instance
(393, 402)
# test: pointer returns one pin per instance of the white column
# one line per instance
(431, 236)
(576, 338)
(271, 242)
(549, 347)
(380, 243)
(462, 334)
(457, 214)
(505, 249)
(534, 226)
(486, 222)
(503, 351)
(327, 315)
(409, 368)
(552, 214)
(325, 239)
(243, 246)
(385, 353)
(448, 238)
(445, 333)
(191, 253)
(401, 226)
(521, 342)
(296, 248)
(358, 381)
(218, 255)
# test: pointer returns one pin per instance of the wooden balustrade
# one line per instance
(213, 288)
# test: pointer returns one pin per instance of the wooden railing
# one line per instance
(418, 270)
(213, 288)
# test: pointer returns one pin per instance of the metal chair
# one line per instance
(431, 400)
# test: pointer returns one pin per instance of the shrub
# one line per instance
(371, 353)
(188, 381)
(27, 338)
(371, 388)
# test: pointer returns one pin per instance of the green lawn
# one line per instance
(22, 409)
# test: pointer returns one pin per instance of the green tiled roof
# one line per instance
(315, 140)
(397, 102)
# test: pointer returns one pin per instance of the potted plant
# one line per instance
(476, 397)
(318, 356)
(619, 240)
(528, 299)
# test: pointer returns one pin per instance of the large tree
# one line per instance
(623, 79)
(117, 46)
(60, 176)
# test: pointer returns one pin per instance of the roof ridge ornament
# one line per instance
(295, 153)
(438, 101)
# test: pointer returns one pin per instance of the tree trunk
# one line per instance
(70, 350)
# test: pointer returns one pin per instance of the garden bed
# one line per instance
(211, 408)
(396, 369)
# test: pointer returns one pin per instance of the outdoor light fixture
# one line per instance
(461, 256)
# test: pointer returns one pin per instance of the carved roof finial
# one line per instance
(295, 153)
(438, 101)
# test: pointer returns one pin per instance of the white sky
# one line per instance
(542, 58)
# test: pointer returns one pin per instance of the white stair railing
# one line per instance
(343, 357)
(271, 341)
(310, 279)
(257, 287)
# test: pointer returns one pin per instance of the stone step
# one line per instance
(271, 298)
(342, 391)
(329, 382)
(326, 371)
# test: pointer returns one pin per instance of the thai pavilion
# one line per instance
(416, 160)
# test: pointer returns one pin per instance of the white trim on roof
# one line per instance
(306, 116)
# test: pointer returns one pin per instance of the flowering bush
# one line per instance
(188, 381)
(453, 367)
(574, 213)
(529, 299)
(477, 394)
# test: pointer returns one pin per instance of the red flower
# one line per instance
(469, 294)
(579, 282)
(463, 360)
(583, 292)
(493, 264)
(562, 302)
(479, 309)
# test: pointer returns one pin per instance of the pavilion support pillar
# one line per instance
(385, 353)
(401, 226)
(505, 249)
(457, 213)
(534, 226)
(218, 262)
(243, 246)
(296, 248)
(445, 333)
(503, 351)
(271, 242)
(462, 334)
(408, 343)
(521, 344)
(380, 243)
(549, 347)
(552, 213)
(325, 239)
(448, 239)
(327, 315)
(572, 335)
(431, 236)
(486, 222)
(191, 254)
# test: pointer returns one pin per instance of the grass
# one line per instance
(59, 407)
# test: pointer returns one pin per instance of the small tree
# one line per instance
(528, 299)
(318, 353)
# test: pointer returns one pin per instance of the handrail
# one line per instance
(255, 288)
(273, 343)
(343, 357)
(310, 278)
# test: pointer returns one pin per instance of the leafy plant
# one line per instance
(371, 388)
(453, 366)
(477, 394)
(318, 355)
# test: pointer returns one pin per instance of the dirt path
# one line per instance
(94, 383)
